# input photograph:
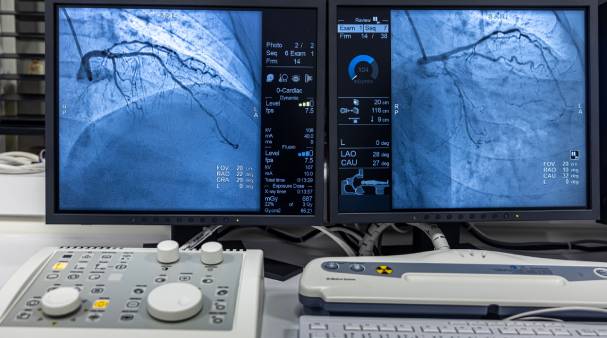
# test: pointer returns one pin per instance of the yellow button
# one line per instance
(101, 304)
(384, 270)
(59, 266)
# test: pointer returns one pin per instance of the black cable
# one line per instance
(581, 245)
(288, 237)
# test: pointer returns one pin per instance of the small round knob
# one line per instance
(174, 302)
(61, 301)
(211, 253)
(167, 252)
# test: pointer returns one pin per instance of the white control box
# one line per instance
(450, 282)
(120, 292)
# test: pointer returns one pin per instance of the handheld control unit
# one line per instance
(100, 292)
(469, 283)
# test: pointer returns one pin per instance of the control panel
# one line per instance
(145, 289)
(459, 283)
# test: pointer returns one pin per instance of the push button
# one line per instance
(73, 276)
(52, 276)
(97, 291)
(59, 266)
(101, 304)
(93, 317)
(601, 272)
(331, 266)
(24, 315)
(127, 317)
(185, 278)
(138, 291)
(219, 306)
(95, 276)
(217, 319)
(357, 267)
(120, 267)
(32, 302)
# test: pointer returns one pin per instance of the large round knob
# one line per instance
(61, 301)
(174, 302)
(167, 252)
(211, 253)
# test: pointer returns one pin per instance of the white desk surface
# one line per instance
(20, 238)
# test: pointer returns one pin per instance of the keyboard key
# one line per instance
(318, 326)
(508, 331)
(586, 332)
(482, 330)
(561, 332)
(464, 330)
(602, 332)
(404, 328)
(447, 329)
(352, 327)
(370, 327)
(526, 331)
(430, 329)
(387, 328)
(542, 332)
(319, 335)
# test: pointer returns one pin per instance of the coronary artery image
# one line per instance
(489, 108)
(158, 109)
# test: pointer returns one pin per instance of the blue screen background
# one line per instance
(488, 109)
(159, 110)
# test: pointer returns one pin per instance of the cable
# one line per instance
(351, 232)
(435, 234)
(18, 162)
(370, 239)
(200, 237)
(557, 309)
(534, 318)
(581, 245)
(399, 230)
(288, 237)
(347, 249)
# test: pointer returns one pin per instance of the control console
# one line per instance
(462, 283)
(95, 292)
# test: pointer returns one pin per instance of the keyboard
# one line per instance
(363, 327)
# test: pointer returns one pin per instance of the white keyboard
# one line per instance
(363, 327)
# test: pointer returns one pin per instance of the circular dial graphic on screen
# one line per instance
(363, 67)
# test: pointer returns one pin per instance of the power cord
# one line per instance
(588, 245)
(18, 162)
(543, 312)
(342, 244)
(435, 234)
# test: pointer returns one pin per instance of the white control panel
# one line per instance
(119, 292)
(450, 282)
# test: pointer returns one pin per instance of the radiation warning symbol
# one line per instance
(384, 270)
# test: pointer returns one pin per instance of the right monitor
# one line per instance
(463, 111)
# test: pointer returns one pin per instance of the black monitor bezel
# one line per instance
(590, 212)
(56, 216)
(603, 103)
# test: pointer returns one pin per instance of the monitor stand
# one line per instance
(421, 242)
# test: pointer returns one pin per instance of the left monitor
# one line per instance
(196, 113)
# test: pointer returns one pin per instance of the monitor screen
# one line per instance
(461, 109)
(185, 110)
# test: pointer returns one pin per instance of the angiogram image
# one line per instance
(489, 108)
(159, 109)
